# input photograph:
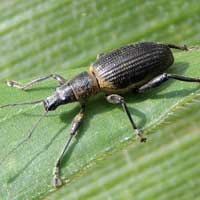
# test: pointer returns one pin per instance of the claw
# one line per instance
(143, 139)
(14, 84)
(10, 83)
(57, 181)
(140, 135)
(56, 178)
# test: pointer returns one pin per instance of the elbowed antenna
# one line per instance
(19, 104)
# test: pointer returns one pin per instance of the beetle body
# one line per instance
(131, 66)
(119, 71)
(140, 66)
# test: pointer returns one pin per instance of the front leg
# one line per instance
(117, 99)
(76, 122)
(18, 85)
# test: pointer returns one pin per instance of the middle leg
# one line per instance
(117, 99)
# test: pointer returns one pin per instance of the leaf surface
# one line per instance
(40, 37)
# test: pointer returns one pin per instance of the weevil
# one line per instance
(137, 67)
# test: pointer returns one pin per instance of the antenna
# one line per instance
(30, 132)
(19, 104)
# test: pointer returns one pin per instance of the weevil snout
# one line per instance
(51, 102)
(62, 95)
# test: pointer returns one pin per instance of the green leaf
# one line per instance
(166, 167)
(40, 37)
(106, 129)
(44, 36)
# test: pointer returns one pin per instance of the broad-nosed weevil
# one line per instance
(138, 67)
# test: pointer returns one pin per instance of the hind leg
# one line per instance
(158, 80)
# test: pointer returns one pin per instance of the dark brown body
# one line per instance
(140, 66)
(119, 71)
(131, 66)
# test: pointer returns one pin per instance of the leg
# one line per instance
(164, 77)
(74, 127)
(117, 99)
(183, 48)
(57, 77)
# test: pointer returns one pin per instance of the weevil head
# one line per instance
(79, 89)
(63, 95)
